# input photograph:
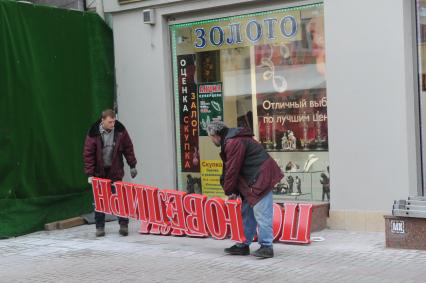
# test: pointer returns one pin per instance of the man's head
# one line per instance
(216, 130)
(108, 119)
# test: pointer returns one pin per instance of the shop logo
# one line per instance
(171, 212)
(246, 32)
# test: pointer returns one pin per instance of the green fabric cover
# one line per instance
(56, 75)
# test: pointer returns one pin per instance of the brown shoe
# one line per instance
(124, 229)
(100, 232)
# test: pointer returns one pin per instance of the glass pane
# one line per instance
(264, 71)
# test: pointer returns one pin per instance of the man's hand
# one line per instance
(89, 180)
(133, 172)
(232, 197)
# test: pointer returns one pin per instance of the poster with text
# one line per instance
(210, 104)
(211, 170)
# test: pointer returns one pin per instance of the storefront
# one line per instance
(264, 71)
(344, 129)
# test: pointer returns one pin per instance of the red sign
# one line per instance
(170, 212)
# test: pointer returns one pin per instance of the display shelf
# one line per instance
(300, 186)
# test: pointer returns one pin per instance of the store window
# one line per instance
(264, 71)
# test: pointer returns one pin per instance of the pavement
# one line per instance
(76, 255)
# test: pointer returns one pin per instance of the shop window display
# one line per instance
(264, 71)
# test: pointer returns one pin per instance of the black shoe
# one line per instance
(100, 232)
(124, 229)
(238, 250)
(264, 252)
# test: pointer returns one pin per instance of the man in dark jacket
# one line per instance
(106, 143)
(248, 172)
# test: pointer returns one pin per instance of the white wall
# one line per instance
(144, 99)
(371, 105)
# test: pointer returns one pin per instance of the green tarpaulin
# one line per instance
(56, 74)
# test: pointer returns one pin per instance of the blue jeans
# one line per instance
(259, 215)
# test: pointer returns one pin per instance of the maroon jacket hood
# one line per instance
(237, 132)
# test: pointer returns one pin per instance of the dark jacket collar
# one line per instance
(94, 129)
(230, 133)
(237, 132)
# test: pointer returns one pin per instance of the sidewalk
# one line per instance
(75, 255)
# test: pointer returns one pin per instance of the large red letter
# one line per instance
(305, 221)
(136, 202)
(154, 208)
(277, 223)
(164, 229)
(297, 226)
(118, 201)
(235, 220)
(140, 206)
(195, 224)
(145, 227)
(101, 193)
(175, 212)
(215, 215)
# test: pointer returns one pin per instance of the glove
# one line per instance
(133, 172)
(232, 197)
(89, 180)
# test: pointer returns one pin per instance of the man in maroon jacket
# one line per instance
(106, 143)
(248, 172)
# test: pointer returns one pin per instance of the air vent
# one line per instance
(148, 16)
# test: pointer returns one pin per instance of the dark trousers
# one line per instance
(100, 220)
(100, 217)
(325, 193)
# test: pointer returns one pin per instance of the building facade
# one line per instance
(330, 88)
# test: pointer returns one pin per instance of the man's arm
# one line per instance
(235, 153)
(89, 156)
(128, 150)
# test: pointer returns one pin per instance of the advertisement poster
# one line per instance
(210, 104)
(211, 170)
(188, 110)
